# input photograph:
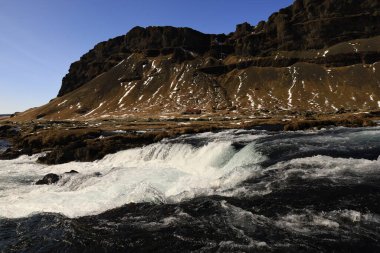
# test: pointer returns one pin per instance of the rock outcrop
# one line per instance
(50, 178)
(152, 41)
(310, 24)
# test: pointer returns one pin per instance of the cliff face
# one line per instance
(307, 24)
(310, 24)
(152, 40)
(313, 55)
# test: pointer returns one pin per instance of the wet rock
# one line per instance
(10, 153)
(375, 113)
(9, 131)
(72, 172)
(50, 178)
(87, 150)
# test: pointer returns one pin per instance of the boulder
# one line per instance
(72, 172)
(50, 178)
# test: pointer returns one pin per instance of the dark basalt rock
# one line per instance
(87, 150)
(50, 178)
(8, 131)
(310, 24)
(181, 55)
(150, 40)
(72, 172)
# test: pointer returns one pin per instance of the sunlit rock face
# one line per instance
(311, 56)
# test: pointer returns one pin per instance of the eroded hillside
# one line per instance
(316, 55)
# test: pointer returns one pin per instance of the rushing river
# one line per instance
(232, 191)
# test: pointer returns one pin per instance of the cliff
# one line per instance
(318, 55)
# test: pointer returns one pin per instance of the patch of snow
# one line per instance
(129, 57)
(100, 105)
(120, 63)
(240, 84)
(126, 93)
(62, 103)
(294, 81)
(119, 132)
(331, 89)
(154, 94)
(172, 83)
(99, 76)
(250, 98)
(148, 80)
(273, 98)
(354, 46)
(242, 77)
(181, 77)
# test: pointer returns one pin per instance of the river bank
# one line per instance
(65, 141)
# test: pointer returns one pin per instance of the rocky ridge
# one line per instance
(315, 55)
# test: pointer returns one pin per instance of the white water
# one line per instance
(169, 172)
(162, 172)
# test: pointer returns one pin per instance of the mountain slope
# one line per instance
(318, 55)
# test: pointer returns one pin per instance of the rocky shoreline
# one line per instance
(85, 141)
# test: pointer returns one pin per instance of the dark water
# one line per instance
(309, 192)
(3, 145)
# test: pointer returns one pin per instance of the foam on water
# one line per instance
(161, 173)
(345, 169)
(311, 221)
(186, 167)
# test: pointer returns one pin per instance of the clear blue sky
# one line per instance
(39, 39)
